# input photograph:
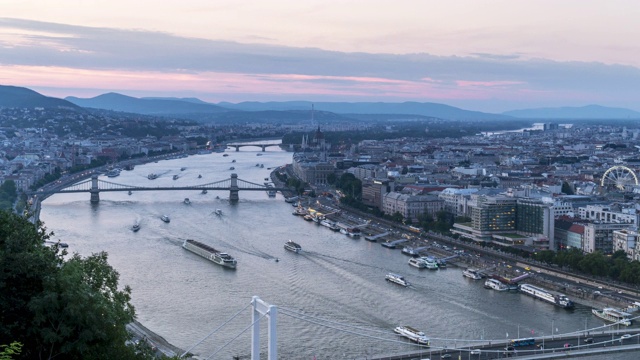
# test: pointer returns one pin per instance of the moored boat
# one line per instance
(135, 227)
(472, 274)
(412, 334)
(430, 262)
(210, 253)
(614, 316)
(398, 279)
(187, 201)
(408, 250)
(292, 246)
(417, 262)
(556, 299)
(165, 218)
(496, 285)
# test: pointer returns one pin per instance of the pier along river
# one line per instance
(336, 281)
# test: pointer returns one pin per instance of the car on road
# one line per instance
(567, 345)
(588, 341)
(527, 268)
(625, 336)
(475, 352)
(445, 356)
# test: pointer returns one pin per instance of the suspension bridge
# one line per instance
(95, 186)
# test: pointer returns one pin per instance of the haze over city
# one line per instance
(483, 55)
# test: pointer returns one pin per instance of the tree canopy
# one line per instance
(57, 308)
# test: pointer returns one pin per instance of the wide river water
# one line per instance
(333, 300)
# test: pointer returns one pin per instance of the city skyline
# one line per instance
(483, 55)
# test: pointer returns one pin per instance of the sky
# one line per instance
(486, 55)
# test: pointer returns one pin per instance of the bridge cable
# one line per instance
(237, 336)
(215, 330)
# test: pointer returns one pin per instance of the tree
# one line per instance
(9, 350)
(59, 309)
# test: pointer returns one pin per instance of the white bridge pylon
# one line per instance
(261, 308)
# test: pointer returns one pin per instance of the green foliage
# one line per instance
(64, 309)
(566, 188)
(616, 266)
(8, 195)
(7, 351)
(350, 186)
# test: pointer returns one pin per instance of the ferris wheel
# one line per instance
(618, 177)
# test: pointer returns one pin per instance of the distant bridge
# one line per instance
(94, 186)
(263, 146)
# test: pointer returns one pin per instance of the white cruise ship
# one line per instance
(613, 315)
(555, 299)
(412, 334)
(417, 262)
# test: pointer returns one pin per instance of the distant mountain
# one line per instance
(119, 102)
(191, 100)
(407, 108)
(20, 97)
(584, 112)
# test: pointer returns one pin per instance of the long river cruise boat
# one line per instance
(555, 299)
(210, 253)
(412, 334)
(613, 315)
(472, 274)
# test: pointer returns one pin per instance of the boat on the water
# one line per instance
(556, 299)
(218, 212)
(204, 191)
(135, 227)
(388, 244)
(430, 262)
(300, 211)
(187, 201)
(330, 224)
(232, 168)
(165, 218)
(292, 246)
(412, 334)
(417, 262)
(398, 279)
(175, 177)
(199, 176)
(308, 217)
(234, 160)
(210, 253)
(495, 284)
(130, 192)
(472, 274)
(152, 176)
(183, 168)
(408, 250)
(113, 173)
(614, 316)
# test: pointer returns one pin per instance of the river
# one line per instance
(336, 281)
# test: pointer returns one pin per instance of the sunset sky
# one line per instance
(488, 55)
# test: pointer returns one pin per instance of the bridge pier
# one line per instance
(95, 192)
(237, 148)
(233, 189)
(263, 148)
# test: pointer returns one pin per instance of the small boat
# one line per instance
(266, 179)
(234, 160)
(175, 177)
(113, 173)
(407, 250)
(217, 197)
(258, 154)
(261, 165)
(308, 217)
(152, 176)
(300, 211)
(257, 165)
(187, 201)
(472, 274)
(613, 315)
(412, 334)
(130, 192)
(165, 218)
(292, 246)
(495, 284)
(63, 245)
(225, 155)
(232, 168)
(218, 212)
(183, 168)
(430, 262)
(204, 191)
(388, 244)
(199, 176)
(397, 279)
(417, 262)
(135, 227)
(271, 193)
